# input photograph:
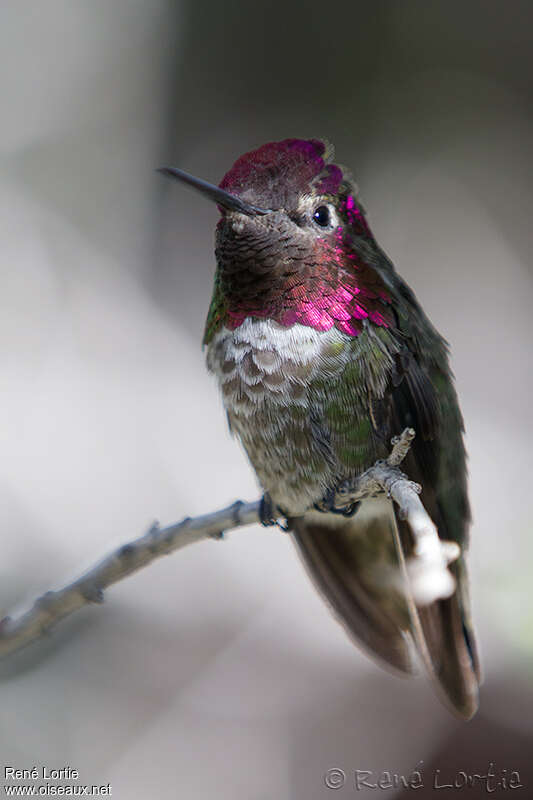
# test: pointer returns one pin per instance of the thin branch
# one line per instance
(52, 607)
(427, 570)
(428, 575)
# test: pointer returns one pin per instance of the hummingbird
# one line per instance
(322, 354)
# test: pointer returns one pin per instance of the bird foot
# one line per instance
(269, 514)
(327, 505)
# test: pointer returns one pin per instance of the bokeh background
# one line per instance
(218, 672)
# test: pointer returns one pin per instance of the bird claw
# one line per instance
(266, 511)
(269, 514)
(327, 505)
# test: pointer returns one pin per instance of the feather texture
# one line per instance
(322, 354)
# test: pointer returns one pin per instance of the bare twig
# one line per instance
(427, 570)
(51, 607)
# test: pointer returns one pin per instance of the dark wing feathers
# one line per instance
(420, 395)
(425, 399)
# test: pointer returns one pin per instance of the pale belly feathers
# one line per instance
(266, 373)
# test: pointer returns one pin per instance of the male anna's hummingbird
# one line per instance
(323, 354)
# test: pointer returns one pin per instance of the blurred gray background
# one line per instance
(218, 672)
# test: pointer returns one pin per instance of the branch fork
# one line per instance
(428, 576)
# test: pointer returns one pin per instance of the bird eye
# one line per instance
(322, 216)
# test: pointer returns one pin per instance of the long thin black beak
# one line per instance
(224, 199)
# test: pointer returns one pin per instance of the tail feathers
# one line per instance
(352, 562)
(349, 561)
(445, 640)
